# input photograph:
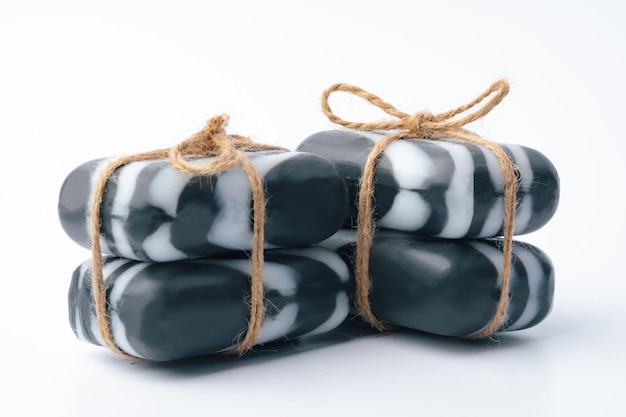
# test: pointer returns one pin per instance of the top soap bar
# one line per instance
(153, 212)
(448, 189)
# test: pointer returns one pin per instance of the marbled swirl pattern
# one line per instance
(152, 212)
(444, 189)
(174, 310)
(450, 287)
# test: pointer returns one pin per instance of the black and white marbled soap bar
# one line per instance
(152, 212)
(449, 287)
(174, 310)
(445, 189)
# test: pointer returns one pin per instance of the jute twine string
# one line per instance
(425, 125)
(230, 150)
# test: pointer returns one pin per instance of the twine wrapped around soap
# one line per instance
(229, 151)
(425, 125)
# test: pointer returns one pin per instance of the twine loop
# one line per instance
(425, 125)
(229, 151)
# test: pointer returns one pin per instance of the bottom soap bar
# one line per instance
(168, 311)
(449, 287)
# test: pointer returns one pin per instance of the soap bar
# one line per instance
(449, 287)
(152, 212)
(449, 189)
(174, 310)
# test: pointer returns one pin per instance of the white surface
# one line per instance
(81, 81)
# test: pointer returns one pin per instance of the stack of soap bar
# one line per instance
(447, 189)
(177, 272)
(434, 264)
(152, 212)
(178, 275)
(450, 287)
(173, 310)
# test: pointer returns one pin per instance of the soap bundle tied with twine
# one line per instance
(420, 126)
(229, 152)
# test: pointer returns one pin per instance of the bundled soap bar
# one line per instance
(174, 310)
(450, 287)
(152, 212)
(448, 189)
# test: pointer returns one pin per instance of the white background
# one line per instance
(82, 80)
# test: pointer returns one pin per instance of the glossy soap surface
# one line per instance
(174, 310)
(152, 212)
(449, 287)
(444, 189)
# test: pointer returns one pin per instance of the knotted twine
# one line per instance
(425, 125)
(211, 140)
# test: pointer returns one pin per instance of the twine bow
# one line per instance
(229, 150)
(425, 125)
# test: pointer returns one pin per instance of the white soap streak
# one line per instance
(80, 334)
(278, 327)
(165, 189)
(276, 277)
(494, 220)
(333, 261)
(522, 162)
(95, 175)
(523, 215)
(460, 193)
(412, 167)
(117, 326)
(493, 167)
(265, 162)
(158, 246)
(524, 211)
(279, 278)
(122, 244)
(342, 309)
(95, 331)
(408, 212)
(231, 228)
(494, 256)
(107, 270)
(534, 274)
(326, 257)
(341, 238)
(126, 185)
(104, 247)
(492, 253)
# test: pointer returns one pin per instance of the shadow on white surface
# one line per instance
(349, 332)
